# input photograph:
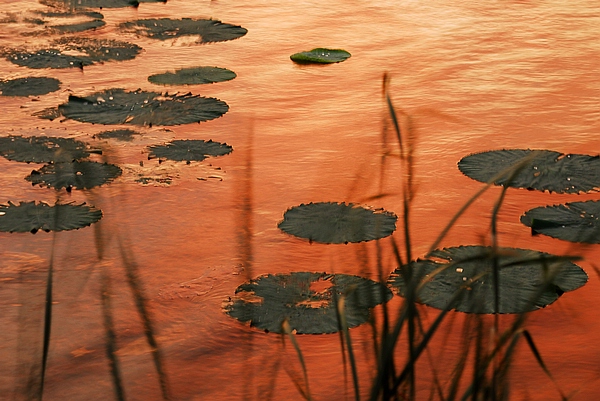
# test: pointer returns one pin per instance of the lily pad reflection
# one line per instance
(76, 175)
(42, 149)
(462, 278)
(306, 300)
(30, 86)
(193, 76)
(207, 30)
(32, 217)
(320, 55)
(189, 150)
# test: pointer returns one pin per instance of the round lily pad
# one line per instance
(82, 4)
(528, 280)
(574, 222)
(116, 106)
(30, 86)
(545, 171)
(189, 150)
(208, 30)
(42, 149)
(320, 55)
(31, 217)
(193, 76)
(306, 300)
(125, 135)
(75, 175)
(337, 223)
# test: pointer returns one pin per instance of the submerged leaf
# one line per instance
(116, 106)
(337, 223)
(75, 175)
(208, 30)
(30, 86)
(462, 278)
(193, 76)
(189, 150)
(320, 55)
(31, 217)
(546, 171)
(306, 300)
(575, 222)
(42, 149)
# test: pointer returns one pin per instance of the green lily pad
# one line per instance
(193, 76)
(31, 217)
(528, 280)
(546, 171)
(574, 222)
(42, 149)
(75, 175)
(306, 300)
(320, 55)
(208, 30)
(30, 86)
(74, 52)
(125, 135)
(189, 150)
(116, 106)
(337, 223)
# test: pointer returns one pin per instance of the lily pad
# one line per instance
(574, 222)
(320, 55)
(80, 27)
(193, 76)
(74, 52)
(189, 150)
(125, 135)
(75, 175)
(207, 30)
(30, 86)
(31, 217)
(528, 280)
(306, 300)
(545, 171)
(42, 149)
(337, 223)
(81, 4)
(116, 106)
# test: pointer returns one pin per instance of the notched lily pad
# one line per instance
(462, 278)
(75, 175)
(207, 30)
(189, 150)
(125, 135)
(306, 300)
(320, 55)
(574, 222)
(337, 223)
(116, 106)
(545, 171)
(43, 149)
(32, 217)
(30, 86)
(193, 76)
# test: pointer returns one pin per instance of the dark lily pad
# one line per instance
(337, 223)
(528, 280)
(306, 300)
(193, 76)
(82, 4)
(42, 149)
(574, 222)
(208, 30)
(116, 106)
(320, 55)
(74, 52)
(50, 113)
(189, 150)
(30, 86)
(31, 217)
(80, 27)
(546, 171)
(125, 135)
(75, 175)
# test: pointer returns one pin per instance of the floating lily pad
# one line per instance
(116, 106)
(546, 171)
(30, 86)
(42, 149)
(208, 30)
(337, 223)
(193, 76)
(522, 283)
(306, 300)
(320, 55)
(74, 52)
(125, 135)
(50, 113)
(575, 222)
(189, 150)
(80, 4)
(75, 175)
(80, 27)
(31, 217)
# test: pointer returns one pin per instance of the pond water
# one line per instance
(472, 76)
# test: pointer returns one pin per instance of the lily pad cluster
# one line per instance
(83, 4)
